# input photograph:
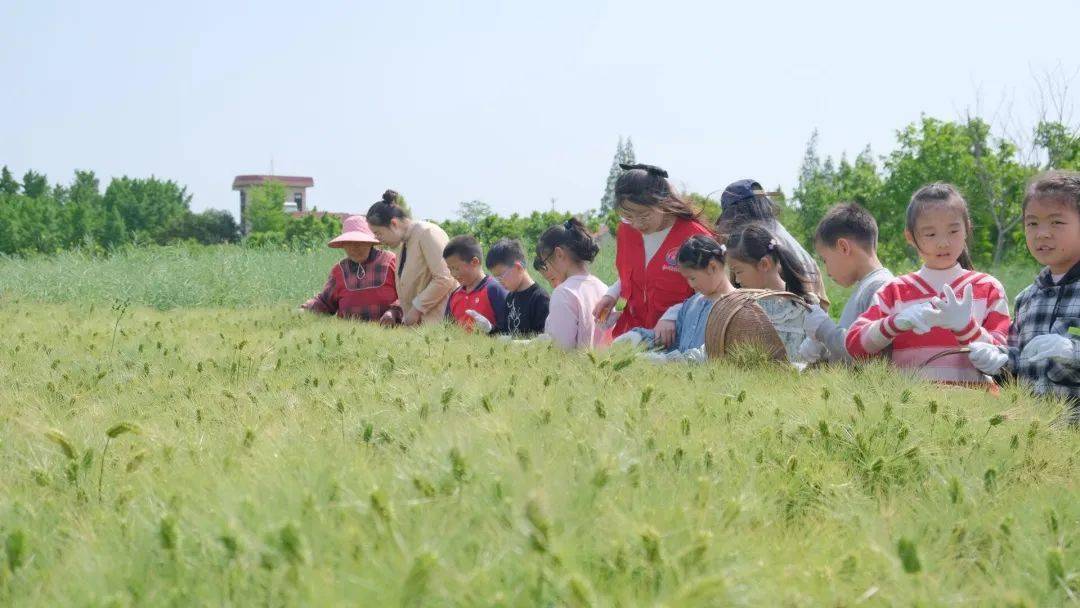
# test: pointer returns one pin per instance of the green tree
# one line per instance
(8, 185)
(967, 155)
(1060, 143)
(149, 207)
(999, 182)
(312, 228)
(34, 184)
(265, 209)
(473, 212)
(208, 227)
(823, 184)
(624, 154)
(113, 231)
(84, 212)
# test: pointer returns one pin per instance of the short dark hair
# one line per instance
(699, 250)
(506, 252)
(848, 221)
(464, 247)
(1062, 186)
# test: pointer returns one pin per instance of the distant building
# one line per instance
(295, 190)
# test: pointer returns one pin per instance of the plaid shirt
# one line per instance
(1044, 308)
(360, 291)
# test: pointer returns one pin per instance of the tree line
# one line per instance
(36, 217)
(991, 170)
(991, 166)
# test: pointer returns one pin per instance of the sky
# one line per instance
(511, 103)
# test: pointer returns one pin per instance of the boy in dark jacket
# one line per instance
(1044, 339)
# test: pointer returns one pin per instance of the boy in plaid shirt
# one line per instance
(1041, 348)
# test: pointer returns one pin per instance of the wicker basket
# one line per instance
(737, 320)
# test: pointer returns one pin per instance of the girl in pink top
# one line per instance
(940, 307)
(563, 253)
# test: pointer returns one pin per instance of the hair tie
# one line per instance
(723, 249)
(650, 169)
(772, 244)
(568, 224)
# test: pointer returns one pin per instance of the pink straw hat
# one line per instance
(354, 230)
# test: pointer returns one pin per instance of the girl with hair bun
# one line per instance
(703, 263)
(423, 279)
(563, 253)
(656, 221)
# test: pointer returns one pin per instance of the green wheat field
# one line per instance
(172, 433)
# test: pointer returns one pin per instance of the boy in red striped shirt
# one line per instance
(481, 300)
(919, 314)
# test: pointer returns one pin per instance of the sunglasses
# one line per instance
(540, 263)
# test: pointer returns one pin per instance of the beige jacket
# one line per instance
(424, 283)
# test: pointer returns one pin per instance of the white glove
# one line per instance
(811, 351)
(632, 338)
(987, 358)
(480, 322)
(1047, 346)
(950, 313)
(814, 319)
(695, 355)
(913, 318)
(653, 357)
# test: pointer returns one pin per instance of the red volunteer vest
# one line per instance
(651, 289)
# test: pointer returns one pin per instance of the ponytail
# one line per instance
(573, 237)
(389, 208)
(755, 243)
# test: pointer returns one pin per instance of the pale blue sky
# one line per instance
(508, 102)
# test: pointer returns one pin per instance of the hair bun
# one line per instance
(390, 197)
(650, 169)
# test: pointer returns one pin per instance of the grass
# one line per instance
(173, 434)
(229, 276)
(259, 457)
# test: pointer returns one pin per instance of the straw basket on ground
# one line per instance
(737, 321)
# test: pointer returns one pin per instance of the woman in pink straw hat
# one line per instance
(364, 284)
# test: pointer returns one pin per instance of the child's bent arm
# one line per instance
(872, 332)
(995, 325)
(562, 321)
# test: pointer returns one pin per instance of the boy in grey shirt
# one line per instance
(846, 240)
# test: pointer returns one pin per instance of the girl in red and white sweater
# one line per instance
(919, 314)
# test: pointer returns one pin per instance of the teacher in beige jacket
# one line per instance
(423, 280)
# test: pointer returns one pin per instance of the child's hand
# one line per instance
(480, 322)
(952, 314)
(664, 333)
(603, 308)
(914, 318)
(1047, 346)
(987, 358)
(811, 351)
(815, 320)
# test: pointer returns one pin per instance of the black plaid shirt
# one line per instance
(1043, 308)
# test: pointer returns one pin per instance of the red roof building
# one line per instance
(295, 191)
